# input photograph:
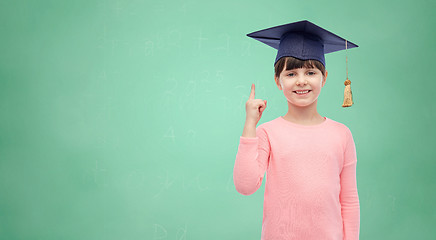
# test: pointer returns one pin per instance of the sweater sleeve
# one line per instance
(251, 162)
(348, 196)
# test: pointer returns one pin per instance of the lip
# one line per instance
(302, 90)
(302, 94)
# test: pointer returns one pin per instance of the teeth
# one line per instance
(303, 92)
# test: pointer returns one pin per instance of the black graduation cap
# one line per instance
(303, 40)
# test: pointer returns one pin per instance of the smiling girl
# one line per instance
(310, 160)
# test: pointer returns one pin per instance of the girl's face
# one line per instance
(301, 79)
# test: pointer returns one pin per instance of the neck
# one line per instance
(304, 115)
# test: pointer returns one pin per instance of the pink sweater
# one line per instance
(310, 188)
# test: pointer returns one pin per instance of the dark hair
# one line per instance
(292, 63)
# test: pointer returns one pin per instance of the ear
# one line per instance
(278, 82)
(324, 79)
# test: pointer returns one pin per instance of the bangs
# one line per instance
(289, 63)
(293, 63)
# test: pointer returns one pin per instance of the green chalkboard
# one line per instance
(120, 119)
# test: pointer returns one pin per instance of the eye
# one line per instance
(312, 73)
(291, 74)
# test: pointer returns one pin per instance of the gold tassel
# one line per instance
(348, 97)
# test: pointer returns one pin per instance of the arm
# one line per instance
(349, 197)
(251, 162)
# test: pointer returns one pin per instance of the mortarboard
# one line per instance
(305, 40)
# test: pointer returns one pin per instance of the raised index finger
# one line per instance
(252, 92)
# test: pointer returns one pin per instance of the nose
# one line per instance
(299, 81)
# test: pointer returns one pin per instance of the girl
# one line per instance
(310, 160)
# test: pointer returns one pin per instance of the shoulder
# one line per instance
(268, 125)
(267, 128)
(340, 128)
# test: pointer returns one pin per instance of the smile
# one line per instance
(302, 93)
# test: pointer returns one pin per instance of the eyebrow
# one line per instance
(308, 69)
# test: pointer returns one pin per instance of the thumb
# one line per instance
(263, 107)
